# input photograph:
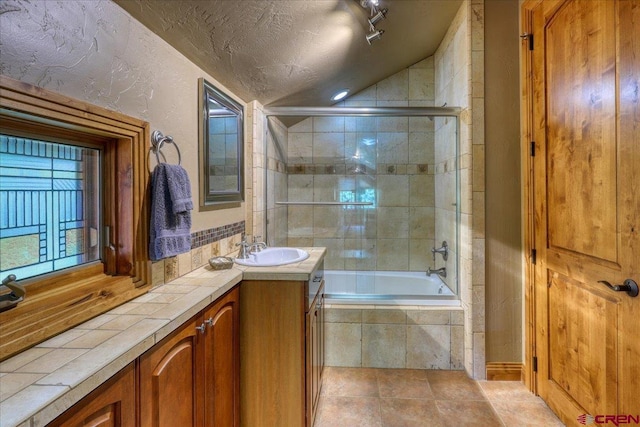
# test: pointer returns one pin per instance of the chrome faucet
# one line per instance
(245, 248)
(442, 272)
(257, 246)
(443, 250)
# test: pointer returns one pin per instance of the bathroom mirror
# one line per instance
(221, 129)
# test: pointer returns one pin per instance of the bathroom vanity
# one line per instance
(191, 377)
(282, 344)
(281, 359)
(172, 357)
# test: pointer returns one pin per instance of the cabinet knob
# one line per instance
(201, 328)
(209, 322)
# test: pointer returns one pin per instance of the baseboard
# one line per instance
(501, 371)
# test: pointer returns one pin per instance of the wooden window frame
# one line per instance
(58, 301)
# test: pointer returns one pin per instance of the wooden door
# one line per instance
(221, 385)
(586, 205)
(169, 374)
(110, 405)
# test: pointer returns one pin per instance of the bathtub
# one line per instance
(387, 288)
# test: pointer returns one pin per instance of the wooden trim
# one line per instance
(497, 371)
(526, 117)
(60, 301)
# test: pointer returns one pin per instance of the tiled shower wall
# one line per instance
(459, 80)
(458, 65)
(386, 160)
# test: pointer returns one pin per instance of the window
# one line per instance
(365, 195)
(73, 211)
(49, 206)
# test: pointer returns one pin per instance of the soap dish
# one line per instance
(221, 262)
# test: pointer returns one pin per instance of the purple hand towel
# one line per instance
(171, 204)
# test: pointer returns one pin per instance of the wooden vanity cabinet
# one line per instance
(282, 352)
(314, 353)
(110, 405)
(169, 374)
(222, 362)
(190, 378)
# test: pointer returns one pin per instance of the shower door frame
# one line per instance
(310, 111)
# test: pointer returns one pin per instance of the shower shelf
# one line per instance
(327, 203)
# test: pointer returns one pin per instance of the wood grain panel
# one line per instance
(169, 375)
(581, 164)
(272, 364)
(629, 176)
(504, 371)
(583, 343)
(222, 362)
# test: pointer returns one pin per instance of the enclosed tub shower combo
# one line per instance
(379, 188)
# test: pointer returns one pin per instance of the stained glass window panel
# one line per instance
(49, 206)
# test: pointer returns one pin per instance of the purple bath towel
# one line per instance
(170, 212)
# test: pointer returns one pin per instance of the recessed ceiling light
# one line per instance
(338, 96)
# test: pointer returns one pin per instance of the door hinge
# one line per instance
(529, 38)
(535, 364)
(534, 254)
(533, 148)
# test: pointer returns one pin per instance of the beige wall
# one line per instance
(504, 333)
(94, 51)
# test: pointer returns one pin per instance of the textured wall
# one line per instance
(94, 51)
(503, 219)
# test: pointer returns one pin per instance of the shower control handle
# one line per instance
(443, 250)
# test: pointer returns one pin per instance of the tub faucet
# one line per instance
(442, 272)
(442, 250)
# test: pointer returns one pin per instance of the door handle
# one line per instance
(629, 286)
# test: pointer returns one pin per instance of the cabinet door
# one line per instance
(110, 405)
(320, 337)
(314, 354)
(221, 387)
(168, 380)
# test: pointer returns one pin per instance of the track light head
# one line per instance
(374, 35)
(381, 15)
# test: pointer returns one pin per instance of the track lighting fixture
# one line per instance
(381, 15)
(375, 17)
(374, 35)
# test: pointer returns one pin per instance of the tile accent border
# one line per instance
(204, 237)
(204, 245)
(361, 169)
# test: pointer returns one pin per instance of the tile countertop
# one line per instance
(42, 382)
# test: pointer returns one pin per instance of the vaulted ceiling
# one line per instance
(296, 52)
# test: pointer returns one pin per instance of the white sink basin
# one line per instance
(274, 256)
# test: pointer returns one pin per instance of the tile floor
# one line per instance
(411, 398)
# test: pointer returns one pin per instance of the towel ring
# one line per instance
(158, 140)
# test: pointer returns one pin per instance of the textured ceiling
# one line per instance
(296, 52)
